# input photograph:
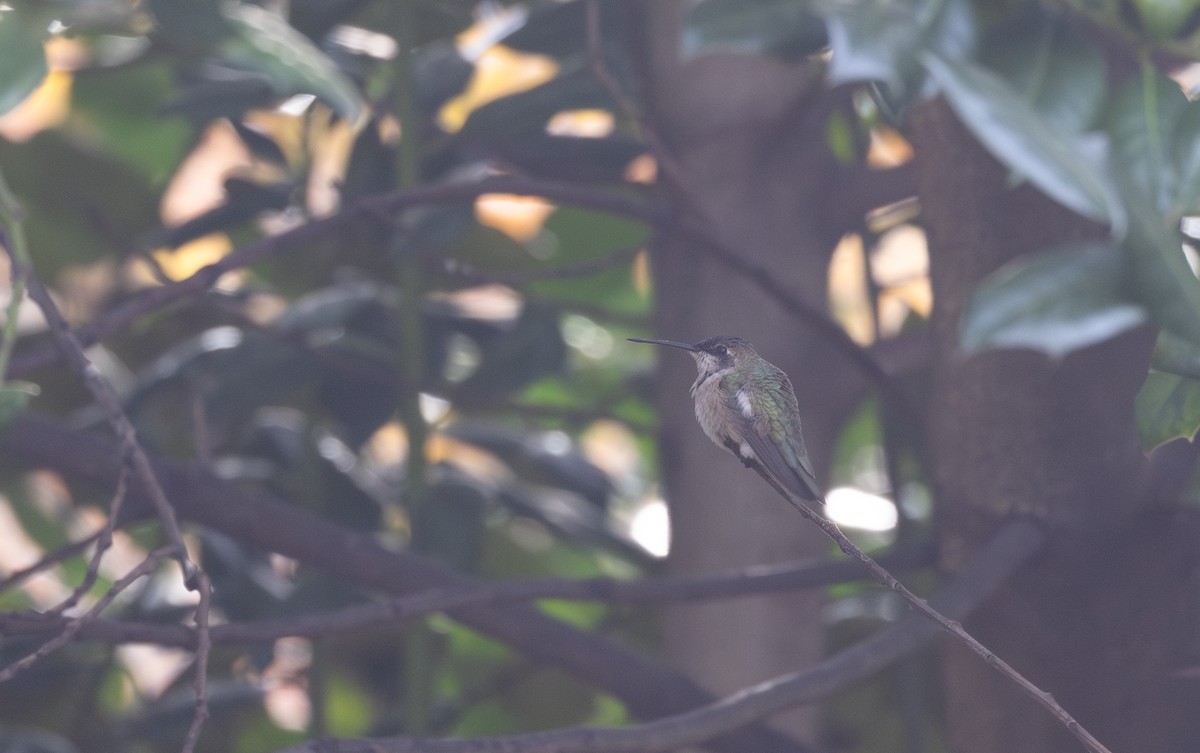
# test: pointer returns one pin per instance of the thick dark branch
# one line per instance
(1015, 544)
(262, 521)
(737, 583)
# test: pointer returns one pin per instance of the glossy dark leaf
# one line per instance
(784, 27)
(440, 73)
(1162, 279)
(99, 212)
(192, 26)
(1053, 66)
(1155, 133)
(1168, 407)
(560, 29)
(527, 112)
(262, 43)
(882, 42)
(539, 458)
(14, 398)
(123, 111)
(23, 62)
(580, 235)
(531, 349)
(244, 202)
(261, 145)
(1068, 169)
(1055, 301)
(448, 522)
(1175, 355)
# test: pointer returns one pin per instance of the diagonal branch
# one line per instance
(106, 398)
(952, 626)
(73, 626)
(1015, 543)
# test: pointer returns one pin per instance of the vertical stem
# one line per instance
(14, 228)
(408, 266)
(419, 666)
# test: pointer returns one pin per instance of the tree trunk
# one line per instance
(1106, 620)
(746, 142)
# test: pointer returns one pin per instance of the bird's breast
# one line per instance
(713, 411)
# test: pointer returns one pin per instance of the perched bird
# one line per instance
(746, 404)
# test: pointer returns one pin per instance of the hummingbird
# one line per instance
(746, 404)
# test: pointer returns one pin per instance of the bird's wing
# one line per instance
(758, 431)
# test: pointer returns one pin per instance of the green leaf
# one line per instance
(753, 26)
(1056, 302)
(559, 30)
(531, 348)
(882, 42)
(1168, 407)
(262, 42)
(1155, 132)
(1063, 167)
(80, 204)
(347, 706)
(14, 398)
(1162, 19)
(1175, 355)
(122, 113)
(1155, 135)
(23, 62)
(1162, 280)
(1056, 69)
(580, 235)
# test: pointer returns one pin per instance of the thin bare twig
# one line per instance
(260, 520)
(1012, 546)
(881, 574)
(11, 224)
(104, 395)
(145, 567)
(103, 542)
(203, 647)
(50, 560)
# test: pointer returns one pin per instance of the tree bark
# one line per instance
(1106, 620)
(745, 137)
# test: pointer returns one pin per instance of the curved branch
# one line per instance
(1016, 543)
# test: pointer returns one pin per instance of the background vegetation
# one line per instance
(320, 429)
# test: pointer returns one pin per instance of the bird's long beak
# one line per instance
(672, 343)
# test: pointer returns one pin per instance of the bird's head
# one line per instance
(715, 354)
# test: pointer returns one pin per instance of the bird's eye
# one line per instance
(721, 350)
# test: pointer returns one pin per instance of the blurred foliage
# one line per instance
(288, 375)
